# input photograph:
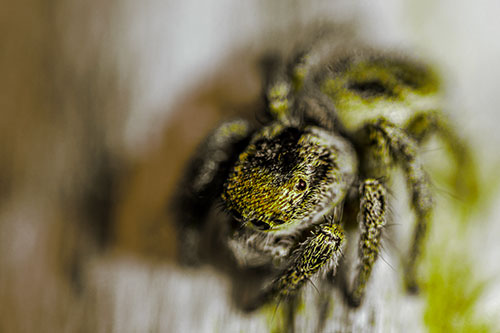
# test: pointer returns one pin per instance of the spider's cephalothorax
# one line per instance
(289, 175)
(338, 126)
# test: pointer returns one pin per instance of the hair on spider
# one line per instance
(338, 121)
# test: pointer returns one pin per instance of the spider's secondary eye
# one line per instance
(301, 185)
(236, 215)
(260, 224)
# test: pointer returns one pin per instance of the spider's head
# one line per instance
(287, 175)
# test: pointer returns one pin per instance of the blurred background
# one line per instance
(102, 103)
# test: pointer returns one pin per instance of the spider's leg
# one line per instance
(321, 251)
(278, 90)
(283, 80)
(404, 149)
(292, 94)
(465, 177)
(203, 182)
(372, 219)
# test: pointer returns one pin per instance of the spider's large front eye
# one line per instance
(301, 185)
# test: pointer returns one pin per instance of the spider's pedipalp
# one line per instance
(321, 251)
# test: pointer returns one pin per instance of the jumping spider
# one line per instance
(340, 121)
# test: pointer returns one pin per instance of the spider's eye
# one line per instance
(278, 221)
(301, 185)
(261, 225)
(236, 215)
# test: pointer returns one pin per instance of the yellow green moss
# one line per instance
(452, 291)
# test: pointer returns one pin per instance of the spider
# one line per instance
(339, 122)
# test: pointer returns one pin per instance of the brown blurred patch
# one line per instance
(143, 221)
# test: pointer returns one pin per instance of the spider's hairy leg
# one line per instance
(285, 80)
(321, 251)
(291, 92)
(372, 219)
(465, 177)
(203, 181)
(278, 88)
(405, 151)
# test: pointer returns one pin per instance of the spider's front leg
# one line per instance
(321, 251)
(372, 219)
(404, 149)
(203, 181)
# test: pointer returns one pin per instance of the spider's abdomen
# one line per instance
(366, 88)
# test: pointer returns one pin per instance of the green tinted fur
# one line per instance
(364, 90)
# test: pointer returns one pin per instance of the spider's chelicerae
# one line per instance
(270, 198)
